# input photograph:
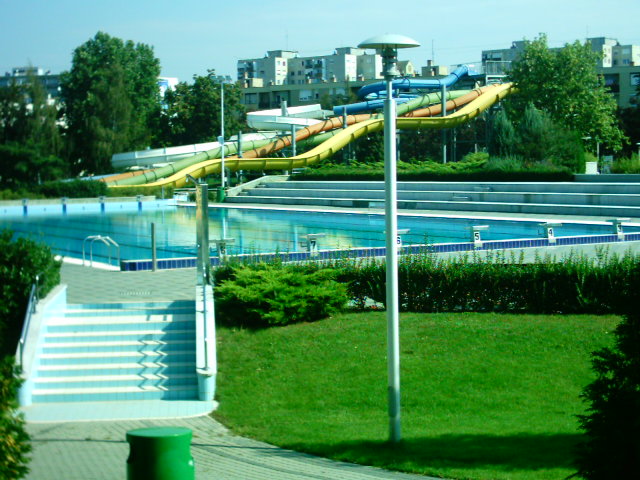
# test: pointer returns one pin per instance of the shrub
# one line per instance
(626, 165)
(14, 440)
(263, 295)
(133, 191)
(612, 424)
(20, 261)
(475, 167)
(73, 189)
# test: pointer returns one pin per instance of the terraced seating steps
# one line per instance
(563, 198)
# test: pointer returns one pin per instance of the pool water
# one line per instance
(257, 231)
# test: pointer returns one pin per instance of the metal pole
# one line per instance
(154, 256)
(443, 102)
(202, 234)
(222, 181)
(391, 221)
(294, 130)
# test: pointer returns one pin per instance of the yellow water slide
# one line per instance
(334, 144)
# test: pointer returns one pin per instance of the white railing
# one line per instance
(108, 241)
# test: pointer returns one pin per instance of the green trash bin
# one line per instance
(220, 194)
(160, 453)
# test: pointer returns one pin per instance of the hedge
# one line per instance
(431, 284)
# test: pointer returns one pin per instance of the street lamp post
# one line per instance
(223, 182)
(387, 46)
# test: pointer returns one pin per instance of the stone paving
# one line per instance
(98, 450)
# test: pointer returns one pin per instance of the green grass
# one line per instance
(484, 396)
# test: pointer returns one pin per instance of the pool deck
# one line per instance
(86, 447)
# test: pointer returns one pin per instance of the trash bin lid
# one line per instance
(158, 432)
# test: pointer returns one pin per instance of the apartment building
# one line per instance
(285, 67)
(20, 76)
(284, 76)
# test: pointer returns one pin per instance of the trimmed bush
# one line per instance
(475, 168)
(258, 296)
(431, 284)
(20, 261)
(14, 440)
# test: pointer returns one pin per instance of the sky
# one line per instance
(190, 36)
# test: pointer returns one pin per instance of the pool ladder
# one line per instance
(108, 241)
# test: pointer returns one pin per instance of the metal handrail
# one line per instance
(31, 308)
(106, 240)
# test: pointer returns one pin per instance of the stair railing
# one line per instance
(31, 309)
(106, 240)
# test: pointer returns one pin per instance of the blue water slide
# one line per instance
(400, 84)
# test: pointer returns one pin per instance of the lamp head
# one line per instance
(388, 41)
(387, 46)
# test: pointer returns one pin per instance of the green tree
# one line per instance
(30, 140)
(193, 111)
(503, 135)
(13, 114)
(565, 84)
(111, 97)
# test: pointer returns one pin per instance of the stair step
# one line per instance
(97, 369)
(96, 336)
(127, 380)
(84, 394)
(125, 325)
(116, 346)
(115, 357)
(121, 319)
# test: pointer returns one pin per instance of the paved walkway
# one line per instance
(97, 450)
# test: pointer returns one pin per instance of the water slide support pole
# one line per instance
(443, 100)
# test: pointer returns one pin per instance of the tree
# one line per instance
(13, 114)
(503, 135)
(30, 140)
(193, 111)
(111, 96)
(612, 424)
(565, 84)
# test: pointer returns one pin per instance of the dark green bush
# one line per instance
(626, 165)
(133, 191)
(14, 440)
(20, 261)
(258, 296)
(73, 189)
(475, 168)
(612, 422)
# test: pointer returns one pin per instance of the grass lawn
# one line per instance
(484, 396)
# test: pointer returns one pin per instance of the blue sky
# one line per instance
(191, 36)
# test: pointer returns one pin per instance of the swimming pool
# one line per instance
(257, 231)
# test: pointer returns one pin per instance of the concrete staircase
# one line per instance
(560, 198)
(126, 351)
